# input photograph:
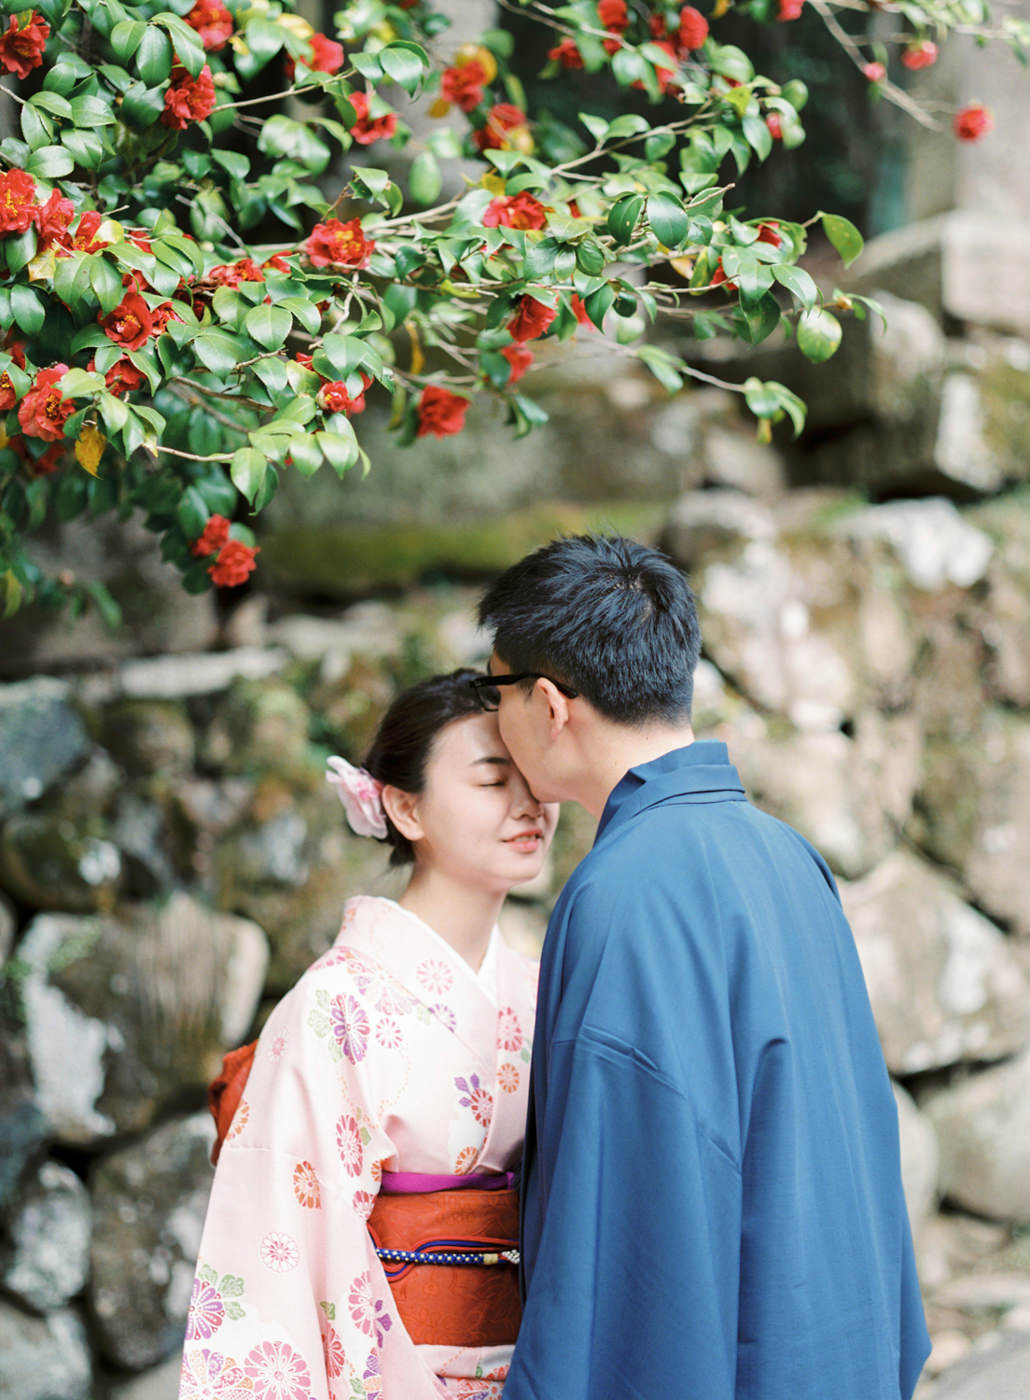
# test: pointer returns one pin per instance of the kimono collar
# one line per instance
(702, 771)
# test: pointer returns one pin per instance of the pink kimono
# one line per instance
(392, 1054)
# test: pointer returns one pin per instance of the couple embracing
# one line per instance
(707, 1204)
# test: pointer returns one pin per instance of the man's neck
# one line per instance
(616, 748)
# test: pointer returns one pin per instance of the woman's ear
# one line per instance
(402, 809)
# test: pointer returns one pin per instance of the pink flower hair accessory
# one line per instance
(360, 794)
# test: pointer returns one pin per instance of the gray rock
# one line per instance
(23, 1128)
(919, 1160)
(996, 1371)
(180, 677)
(138, 830)
(42, 737)
(983, 1127)
(1003, 620)
(974, 812)
(259, 725)
(7, 927)
(944, 983)
(149, 1200)
(159, 1383)
(961, 452)
(43, 1358)
(149, 736)
(140, 1004)
(703, 523)
(932, 541)
(737, 461)
(45, 1260)
(54, 862)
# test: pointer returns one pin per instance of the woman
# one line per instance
(393, 1074)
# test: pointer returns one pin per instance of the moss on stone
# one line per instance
(345, 562)
(1005, 392)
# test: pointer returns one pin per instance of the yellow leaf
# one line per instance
(721, 6)
(494, 183)
(297, 25)
(684, 266)
(3, 436)
(12, 593)
(763, 431)
(476, 53)
(41, 268)
(519, 138)
(89, 448)
(440, 108)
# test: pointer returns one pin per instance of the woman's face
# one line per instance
(480, 823)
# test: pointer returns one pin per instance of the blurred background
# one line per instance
(171, 858)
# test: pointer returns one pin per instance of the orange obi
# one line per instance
(225, 1092)
(473, 1303)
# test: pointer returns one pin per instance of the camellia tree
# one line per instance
(204, 270)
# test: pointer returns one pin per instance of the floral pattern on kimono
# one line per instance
(390, 1053)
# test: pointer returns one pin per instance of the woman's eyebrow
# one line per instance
(491, 759)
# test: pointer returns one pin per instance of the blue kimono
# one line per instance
(712, 1199)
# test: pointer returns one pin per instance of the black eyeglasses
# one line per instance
(486, 687)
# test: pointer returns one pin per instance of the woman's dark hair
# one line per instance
(404, 739)
(612, 618)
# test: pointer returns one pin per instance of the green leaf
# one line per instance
(623, 216)
(234, 162)
(405, 63)
(86, 148)
(53, 103)
(844, 236)
(218, 352)
(761, 317)
(667, 218)
(271, 371)
(819, 334)
(114, 412)
(664, 367)
(282, 136)
(340, 446)
(304, 312)
(78, 383)
(797, 281)
(305, 454)
(247, 469)
(192, 513)
(629, 124)
(36, 127)
(153, 55)
(20, 249)
(28, 308)
(599, 303)
(189, 50)
(424, 178)
(50, 162)
(268, 325)
(126, 38)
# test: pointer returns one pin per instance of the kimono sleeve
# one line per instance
(290, 1300)
(635, 1217)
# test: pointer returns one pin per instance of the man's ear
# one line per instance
(402, 809)
(557, 706)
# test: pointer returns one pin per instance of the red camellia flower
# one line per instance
(875, 72)
(47, 462)
(215, 537)
(612, 15)
(531, 320)
(232, 274)
(790, 9)
(188, 99)
(580, 311)
(693, 29)
(52, 220)
(440, 412)
(44, 409)
(502, 118)
(130, 324)
(325, 55)
(368, 129)
(519, 211)
(17, 201)
(667, 75)
(235, 563)
(213, 23)
(336, 244)
(123, 377)
(84, 239)
(922, 54)
(333, 396)
(775, 126)
(769, 233)
(21, 50)
(463, 85)
(520, 360)
(973, 122)
(8, 398)
(567, 54)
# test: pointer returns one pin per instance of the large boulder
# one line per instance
(44, 1260)
(149, 1200)
(919, 1160)
(50, 861)
(122, 1011)
(23, 1128)
(42, 739)
(944, 982)
(983, 1127)
(44, 1358)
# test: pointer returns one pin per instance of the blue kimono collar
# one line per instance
(702, 770)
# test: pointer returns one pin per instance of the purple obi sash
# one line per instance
(418, 1183)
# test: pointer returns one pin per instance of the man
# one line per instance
(712, 1202)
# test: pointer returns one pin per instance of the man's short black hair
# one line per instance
(612, 618)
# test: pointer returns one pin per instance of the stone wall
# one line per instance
(171, 859)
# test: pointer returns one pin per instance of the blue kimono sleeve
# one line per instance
(633, 1221)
